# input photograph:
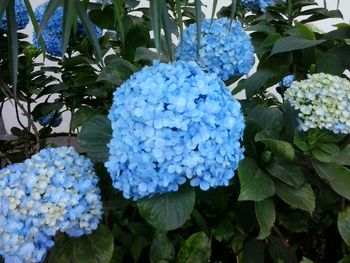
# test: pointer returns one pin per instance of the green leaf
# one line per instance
(146, 55)
(179, 20)
(268, 119)
(168, 211)
(213, 11)
(337, 176)
(196, 249)
(198, 9)
(255, 82)
(97, 247)
(118, 10)
(266, 216)
(279, 252)
(329, 63)
(286, 171)
(167, 29)
(303, 198)
(68, 15)
(90, 32)
(94, 137)
(253, 252)
(281, 148)
(291, 43)
(82, 115)
(344, 225)
(223, 231)
(343, 157)
(3, 6)
(294, 220)
(161, 249)
(117, 72)
(156, 11)
(255, 183)
(345, 259)
(12, 45)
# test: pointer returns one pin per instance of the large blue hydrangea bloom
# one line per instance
(172, 123)
(225, 49)
(53, 32)
(259, 5)
(55, 190)
(22, 18)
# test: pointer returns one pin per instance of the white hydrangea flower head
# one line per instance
(323, 102)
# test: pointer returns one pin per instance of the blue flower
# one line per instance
(52, 33)
(22, 18)
(225, 50)
(287, 81)
(173, 123)
(259, 4)
(53, 118)
(55, 190)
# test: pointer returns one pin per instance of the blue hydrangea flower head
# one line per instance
(55, 190)
(323, 102)
(287, 81)
(225, 50)
(53, 118)
(22, 17)
(53, 32)
(259, 5)
(173, 123)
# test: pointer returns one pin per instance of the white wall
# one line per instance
(325, 25)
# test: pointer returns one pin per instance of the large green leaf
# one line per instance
(196, 249)
(12, 44)
(286, 171)
(68, 16)
(81, 116)
(344, 225)
(336, 175)
(117, 72)
(329, 63)
(162, 250)
(3, 5)
(281, 148)
(253, 251)
(303, 198)
(97, 247)
(266, 216)
(291, 43)
(168, 211)
(255, 183)
(156, 19)
(343, 157)
(94, 137)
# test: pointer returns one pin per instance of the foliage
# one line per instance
(288, 202)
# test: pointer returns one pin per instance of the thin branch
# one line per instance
(31, 122)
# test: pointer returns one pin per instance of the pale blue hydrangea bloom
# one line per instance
(287, 81)
(225, 50)
(323, 102)
(259, 4)
(48, 119)
(173, 123)
(53, 32)
(22, 17)
(54, 191)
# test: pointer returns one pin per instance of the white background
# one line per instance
(324, 25)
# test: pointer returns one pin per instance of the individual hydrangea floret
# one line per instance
(225, 49)
(53, 191)
(22, 17)
(323, 102)
(53, 118)
(173, 123)
(53, 32)
(259, 5)
(287, 81)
